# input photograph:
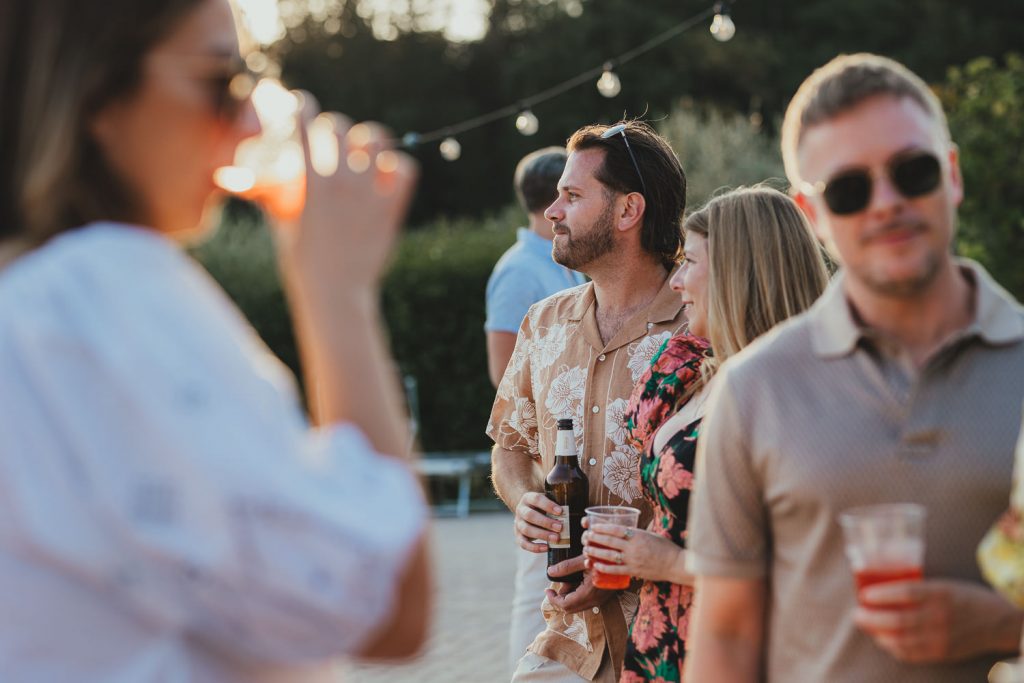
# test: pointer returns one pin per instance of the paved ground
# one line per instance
(475, 558)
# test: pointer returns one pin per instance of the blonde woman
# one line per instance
(750, 261)
(168, 512)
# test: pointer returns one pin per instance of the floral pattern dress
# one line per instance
(1001, 553)
(656, 647)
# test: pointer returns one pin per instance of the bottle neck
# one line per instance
(565, 445)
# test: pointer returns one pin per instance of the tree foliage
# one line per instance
(417, 81)
(722, 150)
(985, 105)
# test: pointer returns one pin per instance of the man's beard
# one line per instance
(904, 287)
(577, 252)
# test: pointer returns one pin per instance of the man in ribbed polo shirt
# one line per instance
(902, 384)
(524, 275)
(617, 219)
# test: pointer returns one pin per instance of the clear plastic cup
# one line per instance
(611, 514)
(884, 543)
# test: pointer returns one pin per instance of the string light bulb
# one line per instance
(450, 148)
(609, 84)
(527, 123)
(411, 140)
(722, 28)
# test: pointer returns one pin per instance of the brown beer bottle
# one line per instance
(567, 485)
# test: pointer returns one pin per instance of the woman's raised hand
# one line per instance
(353, 210)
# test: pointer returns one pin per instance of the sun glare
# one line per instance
(261, 20)
(463, 20)
(459, 20)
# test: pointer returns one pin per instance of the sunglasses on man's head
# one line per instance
(621, 128)
(913, 174)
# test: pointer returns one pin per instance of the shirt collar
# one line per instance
(664, 308)
(666, 305)
(834, 333)
(585, 299)
(998, 318)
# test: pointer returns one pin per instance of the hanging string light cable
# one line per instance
(449, 133)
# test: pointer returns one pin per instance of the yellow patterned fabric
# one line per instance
(1001, 557)
(1001, 552)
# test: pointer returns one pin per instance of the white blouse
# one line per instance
(166, 513)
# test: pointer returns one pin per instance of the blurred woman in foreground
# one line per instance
(168, 513)
(750, 262)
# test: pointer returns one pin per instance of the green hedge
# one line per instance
(433, 302)
(985, 105)
(240, 256)
(721, 150)
(434, 306)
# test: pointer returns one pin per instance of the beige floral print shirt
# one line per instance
(561, 368)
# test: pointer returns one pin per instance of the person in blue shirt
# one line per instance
(526, 273)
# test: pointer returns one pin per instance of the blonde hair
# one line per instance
(842, 84)
(764, 265)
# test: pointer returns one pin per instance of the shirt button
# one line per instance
(650, 325)
(601, 357)
(595, 409)
(597, 610)
(593, 461)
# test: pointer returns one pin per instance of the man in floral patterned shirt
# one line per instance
(578, 353)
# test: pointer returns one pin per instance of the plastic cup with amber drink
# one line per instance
(884, 543)
(611, 514)
(269, 169)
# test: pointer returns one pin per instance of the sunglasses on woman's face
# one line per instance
(231, 90)
(227, 79)
(913, 174)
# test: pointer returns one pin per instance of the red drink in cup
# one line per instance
(270, 169)
(870, 576)
(611, 514)
(281, 198)
(884, 543)
(609, 581)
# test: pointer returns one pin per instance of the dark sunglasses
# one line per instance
(621, 128)
(913, 175)
(231, 90)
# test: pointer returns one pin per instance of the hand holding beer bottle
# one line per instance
(567, 485)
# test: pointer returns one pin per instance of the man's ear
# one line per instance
(804, 202)
(956, 179)
(809, 210)
(632, 213)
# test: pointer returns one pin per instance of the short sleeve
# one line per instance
(513, 421)
(511, 290)
(728, 525)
